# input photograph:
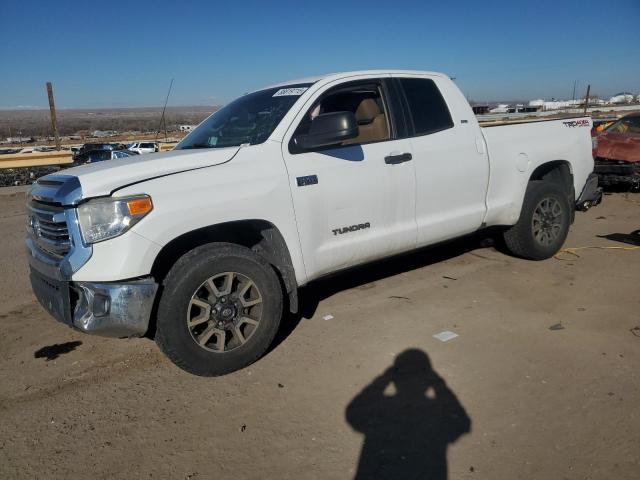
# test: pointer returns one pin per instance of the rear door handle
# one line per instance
(397, 158)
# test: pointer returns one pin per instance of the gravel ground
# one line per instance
(541, 382)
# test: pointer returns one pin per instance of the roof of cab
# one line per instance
(339, 75)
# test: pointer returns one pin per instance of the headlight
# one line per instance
(105, 218)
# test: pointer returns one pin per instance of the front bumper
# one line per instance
(591, 194)
(612, 172)
(56, 253)
(120, 309)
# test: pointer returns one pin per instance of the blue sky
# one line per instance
(114, 53)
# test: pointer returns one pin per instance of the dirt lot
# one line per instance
(542, 381)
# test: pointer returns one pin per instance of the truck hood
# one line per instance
(102, 178)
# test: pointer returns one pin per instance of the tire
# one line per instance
(526, 239)
(188, 332)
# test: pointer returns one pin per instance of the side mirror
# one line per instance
(329, 129)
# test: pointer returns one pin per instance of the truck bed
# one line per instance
(517, 149)
(516, 121)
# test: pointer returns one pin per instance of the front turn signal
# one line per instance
(139, 206)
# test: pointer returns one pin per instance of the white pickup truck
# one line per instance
(206, 246)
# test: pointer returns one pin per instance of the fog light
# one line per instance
(101, 305)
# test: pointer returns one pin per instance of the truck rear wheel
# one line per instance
(220, 309)
(544, 222)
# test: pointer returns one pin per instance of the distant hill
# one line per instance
(37, 122)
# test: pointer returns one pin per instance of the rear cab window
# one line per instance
(428, 110)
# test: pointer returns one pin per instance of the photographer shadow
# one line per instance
(407, 434)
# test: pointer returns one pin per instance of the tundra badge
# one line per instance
(352, 228)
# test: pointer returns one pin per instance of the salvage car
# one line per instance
(206, 246)
(81, 155)
(618, 153)
(144, 147)
(102, 155)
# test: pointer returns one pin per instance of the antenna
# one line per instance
(162, 117)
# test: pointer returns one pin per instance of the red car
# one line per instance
(617, 151)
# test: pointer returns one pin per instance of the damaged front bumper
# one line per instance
(114, 309)
(591, 194)
(56, 251)
(120, 309)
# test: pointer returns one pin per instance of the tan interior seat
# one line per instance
(372, 123)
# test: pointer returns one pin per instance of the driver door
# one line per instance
(354, 202)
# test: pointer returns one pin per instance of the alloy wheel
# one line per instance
(224, 312)
(547, 220)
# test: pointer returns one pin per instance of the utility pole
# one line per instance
(573, 97)
(52, 109)
(162, 119)
(586, 100)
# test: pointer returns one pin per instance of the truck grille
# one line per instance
(47, 227)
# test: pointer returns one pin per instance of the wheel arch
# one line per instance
(560, 172)
(260, 236)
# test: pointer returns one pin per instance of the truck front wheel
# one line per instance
(220, 309)
(544, 222)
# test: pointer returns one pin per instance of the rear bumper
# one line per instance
(591, 194)
(106, 309)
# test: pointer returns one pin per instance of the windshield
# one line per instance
(248, 120)
(625, 125)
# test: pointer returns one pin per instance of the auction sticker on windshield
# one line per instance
(283, 92)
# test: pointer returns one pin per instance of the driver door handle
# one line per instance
(395, 158)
